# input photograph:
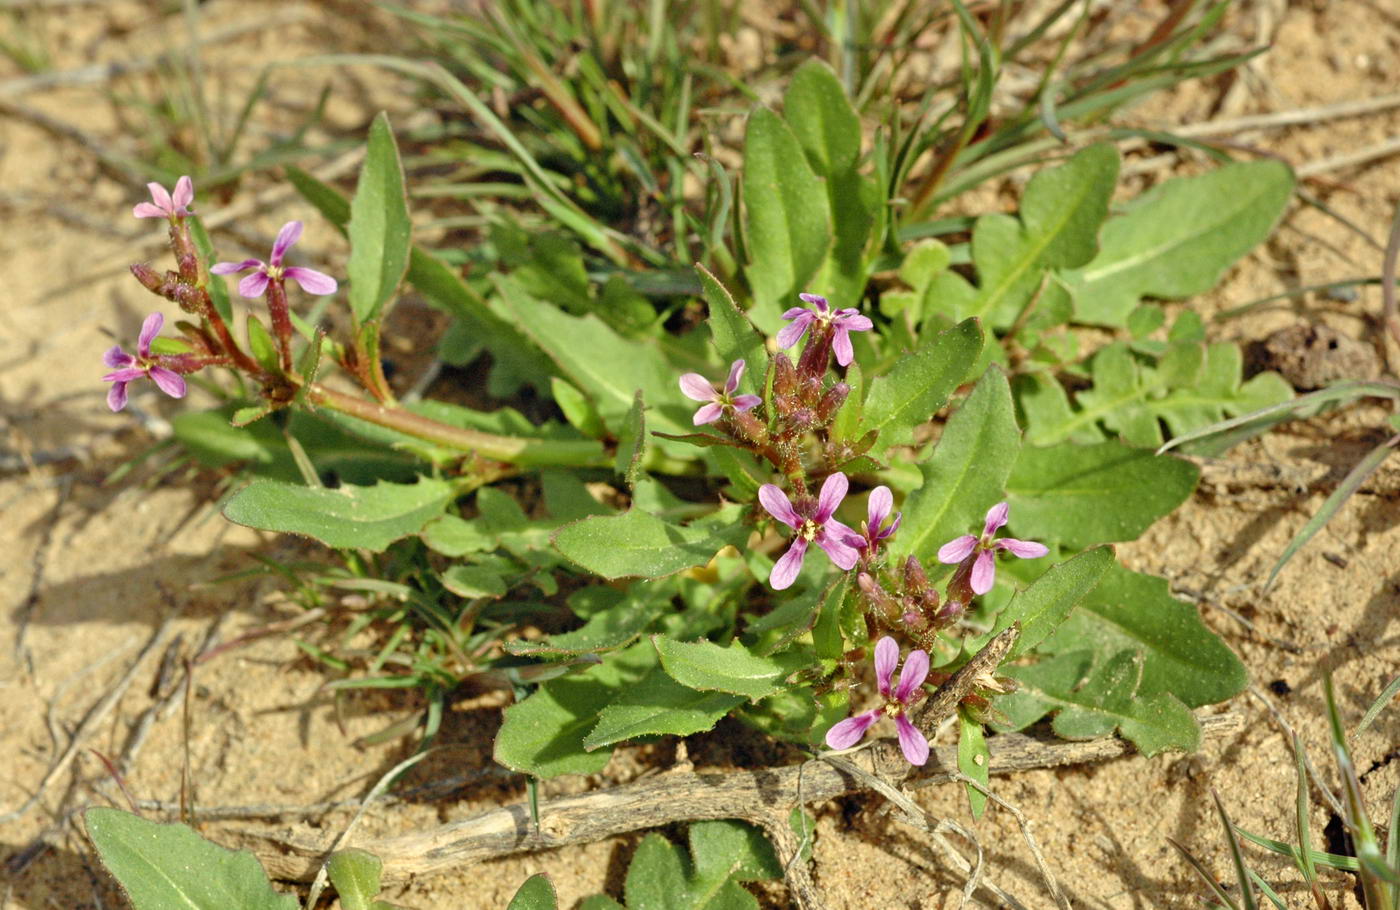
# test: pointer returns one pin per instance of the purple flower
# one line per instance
(166, 205)
(698, 388)
(842, 322)
(311, 281)
(127, 368)
(878, 508)
(852, 730)
(984, 570)
(828, 533)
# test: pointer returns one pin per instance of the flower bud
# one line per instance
(749, 426)
(915, 581)
(784, 375)
(150, 279)
(816, 356)
(831, 402)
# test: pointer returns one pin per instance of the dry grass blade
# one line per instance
(1215, 886)
(1379, 705)
(1236, 855)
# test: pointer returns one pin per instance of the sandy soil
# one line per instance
(93, 573)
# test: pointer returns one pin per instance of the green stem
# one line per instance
(510, 449)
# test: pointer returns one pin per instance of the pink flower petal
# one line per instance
(788, 565)
(886, 659)
(311, 281)
(229, 268)
(116, 396)
(852, 321)
(912, 676)
(169, 381)
(184, 193)
(957, 549)
(144, 210)
(984, 572)
(161, 199)
(894, 526)
(996, 518)
(816, 300)
(697, 387)
(736, 372)
(841, 344)
(877, 507)
(834, 545)
(746, 402)
(150, 328)
(850, 731)
(911, 742)
(1026, 549)
(793, 331)
(290, 234)
(127, 375)
(778, 505)
(833, 491)
(116, 357)
(253, 285)
(708, 414)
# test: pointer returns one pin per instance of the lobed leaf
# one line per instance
(659, 705)
(707, 666)
(639, 544)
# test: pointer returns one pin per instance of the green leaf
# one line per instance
(829, 131)
(452, 535)
(1041, 608)
(369, 518)
(726, 848)
(355, 875)
(639, 544)
(170, 866)
(967, 472)
(1061, 212)
(632, 443)
(380, 229)
(536, 894)
(974, 760)
(657, 878)
(1090, 494)
(606, 367)
(543, 734)
(659, 705)
(787, 218)
(707, 666)
(1179, 238)
(578, 410)
(919, 384)
(214, 284)
(473, 581)
(605, 630)
(734, 336)
(1109, 699)
(1132, 611)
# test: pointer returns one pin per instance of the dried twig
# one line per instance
(679, 797)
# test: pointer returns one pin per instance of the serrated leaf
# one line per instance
(967, 472)
(1043, 607)
(355, 875)
(707, 666)
(733, 334)
(787, 218)
(1131, 611)
(1179, 238)
(369, 518)
(639, 544)
(536, 894)
(1081, 495)
(919, 384)
(380, 230)
(659, 705)
(1060, 216)
(167, 866)
(1109, 699)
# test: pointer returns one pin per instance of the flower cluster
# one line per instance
(698, 388)
(898, 701)
(210, 343)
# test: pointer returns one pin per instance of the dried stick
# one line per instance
(670, 798)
